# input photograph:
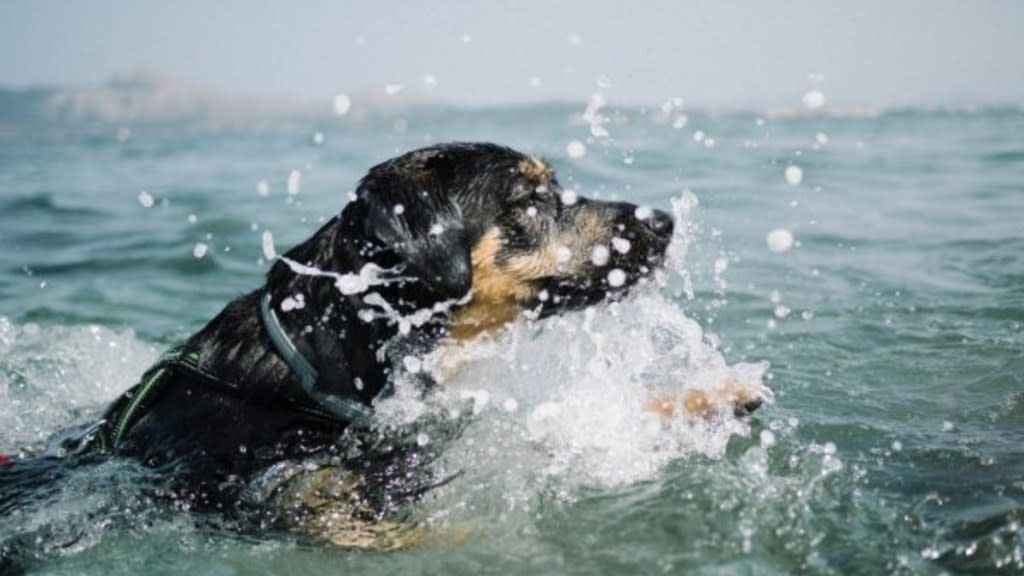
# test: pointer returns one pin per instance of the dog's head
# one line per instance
(494, 224)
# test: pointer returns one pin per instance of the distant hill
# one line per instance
(146, 96)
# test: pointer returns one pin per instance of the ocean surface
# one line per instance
(867, 268)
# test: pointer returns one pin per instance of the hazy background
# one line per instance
(717, 54)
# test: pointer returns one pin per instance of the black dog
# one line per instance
(443, 242)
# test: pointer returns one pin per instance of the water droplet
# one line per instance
(563, 254)
(794, 175)
(621, 245)
(268, 245)
(616, 278)
(342, 103)
(814, 99)
(145, 199)
(576, 149)
(294, 182)
(200, 249)
(779, 240)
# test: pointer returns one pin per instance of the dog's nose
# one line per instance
(660, 222)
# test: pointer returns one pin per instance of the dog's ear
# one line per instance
(423, 227)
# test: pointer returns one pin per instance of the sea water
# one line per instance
(865, 271)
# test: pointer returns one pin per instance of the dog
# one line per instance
(439, 244)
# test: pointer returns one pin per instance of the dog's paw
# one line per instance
(731, 397)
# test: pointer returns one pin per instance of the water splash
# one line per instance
(570, 397)
(55, 376)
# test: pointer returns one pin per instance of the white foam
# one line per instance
(580, 386)
(52, 377)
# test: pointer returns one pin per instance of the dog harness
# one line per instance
(132, 406)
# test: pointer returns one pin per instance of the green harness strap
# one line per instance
(129, 410)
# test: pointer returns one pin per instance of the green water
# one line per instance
(893, 330)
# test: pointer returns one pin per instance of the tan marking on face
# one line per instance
(536, 265)
(499, 292)
(535, 170)
(591, 228)
(588, 230)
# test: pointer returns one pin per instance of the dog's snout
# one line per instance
(660, 222)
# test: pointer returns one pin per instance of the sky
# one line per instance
(711, 53)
